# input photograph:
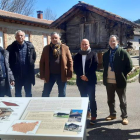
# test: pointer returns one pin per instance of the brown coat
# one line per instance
(66, 63)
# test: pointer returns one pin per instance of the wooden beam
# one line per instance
(18, 22)
(13, 21)
(65, 17)
(6, 20)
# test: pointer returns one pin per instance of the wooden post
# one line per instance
(100, 60)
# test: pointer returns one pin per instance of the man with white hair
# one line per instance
(56, 65)
(85, 66)
(117, 64)
(22, 57)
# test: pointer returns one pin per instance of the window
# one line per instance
(45, 40)
(26, 37)
(1, 39)
(139, 41)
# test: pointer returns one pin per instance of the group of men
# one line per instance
(56, 65)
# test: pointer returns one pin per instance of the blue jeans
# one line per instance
(87, 90)
(27, 87)
(48, 86)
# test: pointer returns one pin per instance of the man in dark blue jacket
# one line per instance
(85, 65)
(22, 57)
(117, 64)
(6, 75)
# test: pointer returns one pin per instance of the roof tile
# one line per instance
(15, 16)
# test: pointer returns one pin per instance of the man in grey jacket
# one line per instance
(6, 75)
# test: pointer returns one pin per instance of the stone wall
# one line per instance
(36, 35)
(10, 36)
(37, 41)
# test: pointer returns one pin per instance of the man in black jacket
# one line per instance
(22, 57)
(6, 75)
(117, 64)
(85, 65)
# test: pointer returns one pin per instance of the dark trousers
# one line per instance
(111, 88)
(48, 86)
(2, 87)
(87, 90)
(27, 87)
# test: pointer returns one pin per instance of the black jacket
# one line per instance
(90, 67)
(9, 74)
(14, 60)
(122, 66)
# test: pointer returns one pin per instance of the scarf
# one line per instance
(85, 52)
(56, 49)
(111, 57)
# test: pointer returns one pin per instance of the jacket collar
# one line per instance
(117, 51)
(29, 44)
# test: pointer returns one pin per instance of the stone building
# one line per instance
(37, 30)
(81, 21)
(86, 21)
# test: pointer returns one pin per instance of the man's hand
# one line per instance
(42, 78)
(84, 78)
(68, 78)
(12, 83)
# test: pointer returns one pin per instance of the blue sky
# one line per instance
(129, 9)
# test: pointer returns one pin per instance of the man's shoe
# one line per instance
(88, 115)
(93, 120)
(109, 118)
(125, 121)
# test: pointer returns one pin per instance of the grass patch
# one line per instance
(71, 82)
(73, 76)
(136, 72)
(99, 74)
(65, 116)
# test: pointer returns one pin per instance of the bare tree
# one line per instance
(49, 14)
(25, 7)
(4, 4)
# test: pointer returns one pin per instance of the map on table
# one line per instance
(24, 127)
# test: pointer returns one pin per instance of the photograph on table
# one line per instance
(72, 127)
(5, 113)
(61, 114)
(75, 115)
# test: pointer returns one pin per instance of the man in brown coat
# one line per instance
(56, 65)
